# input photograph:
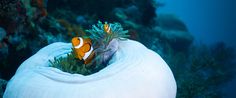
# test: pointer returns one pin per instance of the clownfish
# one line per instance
(83, 49)
(107, 28)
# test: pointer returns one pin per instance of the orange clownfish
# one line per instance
(107, 28)
(83, 49)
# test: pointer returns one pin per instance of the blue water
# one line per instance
(209, 21)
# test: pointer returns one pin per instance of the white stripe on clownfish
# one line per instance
(81, 43)
(88, 53)
(109, 28)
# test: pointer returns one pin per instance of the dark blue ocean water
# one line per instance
(209, 21)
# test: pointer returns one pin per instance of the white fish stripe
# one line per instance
(109, 28)
(81, 43)
(88, 53)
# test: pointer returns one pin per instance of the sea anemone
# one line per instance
(102, 38)
(105, 40)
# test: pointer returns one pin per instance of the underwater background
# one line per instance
(195, 37)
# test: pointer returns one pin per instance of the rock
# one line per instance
(170, 22)
(174, 32)
(133, 72)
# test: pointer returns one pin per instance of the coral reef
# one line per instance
(208, 68)
(28, 25)
(28, 28)
(102, 11)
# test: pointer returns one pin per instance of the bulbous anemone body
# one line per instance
(128, 75)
